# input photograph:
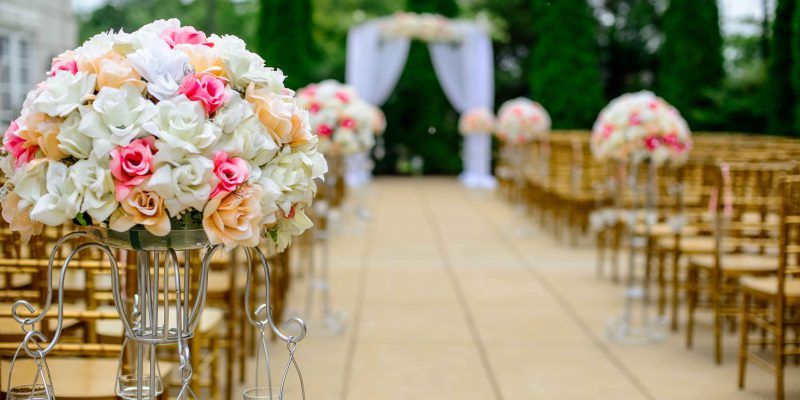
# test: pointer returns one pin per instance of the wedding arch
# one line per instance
(461, 53)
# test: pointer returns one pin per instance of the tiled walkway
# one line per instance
(446, 301)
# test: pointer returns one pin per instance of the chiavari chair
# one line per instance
(772, 303)
(744, 206)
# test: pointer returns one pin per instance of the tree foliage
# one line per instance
(781, 112)
(690, 61)
(284, 39)
(564, 67)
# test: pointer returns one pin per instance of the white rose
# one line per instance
(8, 167)
(63, 93)
(29, 181)
(62, 202)
(288, 228)
(71, 140)
(186, 185)
(96, 46)
(242, 66)
(294, 173)
(250, 141)
(269, 200)
(115, 118)
(93, 181)
(347, 141)
(236, 110)
(163, 68)
(181, 126)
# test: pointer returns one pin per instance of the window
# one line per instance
(16, 74)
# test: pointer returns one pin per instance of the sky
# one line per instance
(731, 12)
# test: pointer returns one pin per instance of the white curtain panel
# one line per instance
(374, 63)
(466, 73)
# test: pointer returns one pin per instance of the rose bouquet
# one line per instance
(521, 120)
(342, 121)
(641, 126)
(476, 121)
(425, 27)
(162, 129)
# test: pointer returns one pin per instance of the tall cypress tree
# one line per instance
(780, 110)
(421, 121)
(690, 60)
(565, 68)
(285, 41)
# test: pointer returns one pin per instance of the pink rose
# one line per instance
(184, 35)
(348, 123)
(651, 142)
(314, 108)
(207, 89)
(343, 97)
(131, 165)
(324, 130)
(608, 129)
(63, 65)
(231, 172)
(634, 120)
(23, 150)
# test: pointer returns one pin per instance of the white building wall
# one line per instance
(32, 32)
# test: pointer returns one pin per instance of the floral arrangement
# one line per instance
(425, 27)
(343, 122)
(476, 121)
(521, 120)
(163, 128)
(641, 126)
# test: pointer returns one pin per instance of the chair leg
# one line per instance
(662, 295)
(691, 293)
(779, 349)
(744, 335)
(215, 354)
(601, 251)
(675, 294)
(615, 245)
(717, 299)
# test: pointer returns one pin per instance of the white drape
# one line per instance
(465, 71)
(374, 65)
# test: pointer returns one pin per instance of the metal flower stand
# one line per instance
(635, 325)
(165, 311)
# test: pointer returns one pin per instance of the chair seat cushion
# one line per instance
(665, 229)
(738, 263)
(692, 244)
(769, 286)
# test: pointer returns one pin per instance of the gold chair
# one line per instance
(772, 303)
(745, 202)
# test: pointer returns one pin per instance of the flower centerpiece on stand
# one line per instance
(475, 122)
(157, 129)
(344, 123)
(160, 140)
(639, 130)
(641, 127)
(520, 121)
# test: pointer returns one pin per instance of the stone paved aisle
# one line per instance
(446, 301)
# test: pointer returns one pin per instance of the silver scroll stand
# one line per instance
(149, 324)
(636, 325)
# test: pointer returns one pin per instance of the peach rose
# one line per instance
(273, 111)
(204, 59)
(141, 207)
(17, 213)
(301, 130)
(36, 131)
(113, 70)
(234, 218)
